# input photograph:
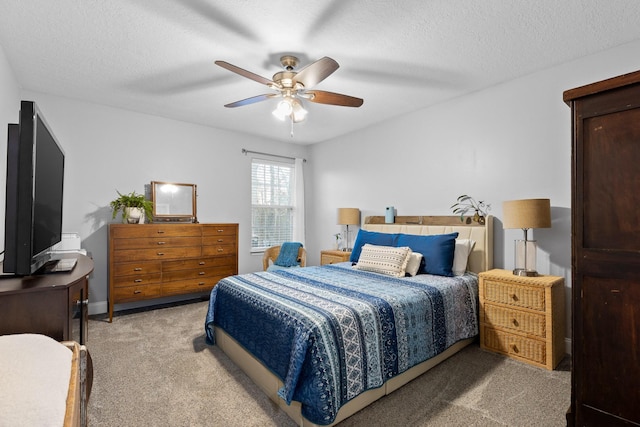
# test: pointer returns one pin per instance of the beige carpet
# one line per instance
(153, 368)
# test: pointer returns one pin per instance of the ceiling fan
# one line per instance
(293, 86)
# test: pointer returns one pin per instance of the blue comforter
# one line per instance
(331, 332)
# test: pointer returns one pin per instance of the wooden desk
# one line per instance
(50, 304)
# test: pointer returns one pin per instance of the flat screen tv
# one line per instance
(33, 198)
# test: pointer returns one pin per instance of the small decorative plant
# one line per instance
(338, 236)
(466, 204)
(131, 200)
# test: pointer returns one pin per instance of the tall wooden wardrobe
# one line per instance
(605, 214)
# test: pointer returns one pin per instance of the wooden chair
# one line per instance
(271, 255)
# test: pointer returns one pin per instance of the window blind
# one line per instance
(272, 203)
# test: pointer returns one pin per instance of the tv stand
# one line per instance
(48, 304)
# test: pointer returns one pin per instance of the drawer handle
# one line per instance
(201, 263)
(514, 297)
(160, 231)
(201, 273)
(137, 269)
(201, 283)
(515, 322)
(137, 292)
(514, 348)
(220, 240)
(81, 302)
(161, 243)
(160, 253)
(138, 280)
(220, 250)
(220, 231)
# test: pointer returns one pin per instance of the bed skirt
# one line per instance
(270, 384)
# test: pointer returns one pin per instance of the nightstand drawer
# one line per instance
(515, 320)
(333, 257)
(513, 294)
(514, 345)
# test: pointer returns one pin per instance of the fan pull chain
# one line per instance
(291, 125)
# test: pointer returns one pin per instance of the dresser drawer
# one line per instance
(514, 345)
(154, 230)
(136, 293)
(219, 250)
(218, 240)
(135, 268)
(514, 294)
(197, 273)
(212, 230)
(515, 320)
(137, 280)
(155, 254)
(155, 242)
(198, 263)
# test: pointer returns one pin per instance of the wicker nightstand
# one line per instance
(332, 257)
(523, 317)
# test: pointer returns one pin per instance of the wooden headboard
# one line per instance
(481, 257)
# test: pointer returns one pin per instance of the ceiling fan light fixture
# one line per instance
(290, 107)
(283, 109)
(298, 113)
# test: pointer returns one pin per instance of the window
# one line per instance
(272, 203)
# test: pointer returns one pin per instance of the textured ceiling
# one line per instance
(157, 56)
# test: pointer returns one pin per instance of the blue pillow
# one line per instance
(437, 250)
(373, 238)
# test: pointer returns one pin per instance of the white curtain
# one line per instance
(298, 219)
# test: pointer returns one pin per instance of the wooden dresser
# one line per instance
(149, 261)
(523, 317)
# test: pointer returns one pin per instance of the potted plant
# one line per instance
(135, 207)
(466, 204)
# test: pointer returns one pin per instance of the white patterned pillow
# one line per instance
(413, 264)
(387, 260)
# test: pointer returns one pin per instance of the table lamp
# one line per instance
(526, 214)
(348, 216)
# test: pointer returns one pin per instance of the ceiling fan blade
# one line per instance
(324, 97)
(316, 72)
(245, 73)
(251, 100)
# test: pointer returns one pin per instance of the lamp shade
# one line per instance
(348, 216)
(527, 213)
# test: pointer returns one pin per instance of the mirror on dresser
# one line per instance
(173, 201)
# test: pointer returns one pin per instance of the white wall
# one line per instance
(509, 141)
(109, 149)
(506, 142)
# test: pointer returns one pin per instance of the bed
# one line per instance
(314, 354)
(44, 382)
